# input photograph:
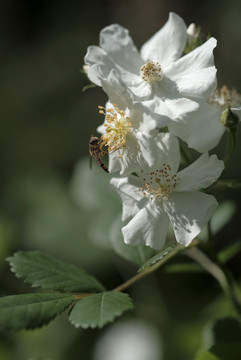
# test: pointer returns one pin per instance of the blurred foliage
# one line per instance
(52, 202)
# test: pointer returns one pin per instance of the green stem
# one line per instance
(221, 276)
(148, 271)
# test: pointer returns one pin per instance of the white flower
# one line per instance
(160, 195)
(129, 127)
(159, 71)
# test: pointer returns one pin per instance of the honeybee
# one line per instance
(95, 150)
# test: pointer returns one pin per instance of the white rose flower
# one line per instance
(159, 71)
(160, 195)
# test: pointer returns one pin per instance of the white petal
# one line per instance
(174, 109)
(189, 212)
(148, 226)
(95, 74)
(201, 130)
(127, 188)
(195, 74)
(167, 151)
(116, 41)
(140, 153)
(117, 91)
(100, 64)
(199, 83)
(200, 174)
(199, 58)
(168, 43)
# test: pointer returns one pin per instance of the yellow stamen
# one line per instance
(117, 125)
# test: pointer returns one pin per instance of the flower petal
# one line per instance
(200, 83)
(194, 73)
(148, 226)
(141, 152)
(100, 64)
(200, 174)
(117, 91)
(189, 212)
(167, 151)
(116, 41)
(201, 130)
(127, 188)
(199, 58)
(168, 43)
(174, 109)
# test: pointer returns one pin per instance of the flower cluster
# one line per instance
(157, 97)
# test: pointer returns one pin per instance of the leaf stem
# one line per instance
(148, 271)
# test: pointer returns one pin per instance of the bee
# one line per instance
(95, 149)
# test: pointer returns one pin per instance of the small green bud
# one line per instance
(229, 119)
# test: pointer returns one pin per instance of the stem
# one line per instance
(149, 270)
(223, 278)
(81, 296)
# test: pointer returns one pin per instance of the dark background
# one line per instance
(46, 122)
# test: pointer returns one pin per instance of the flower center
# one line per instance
(225, 98)
(151, 71)
(159, 184)
(117, 126)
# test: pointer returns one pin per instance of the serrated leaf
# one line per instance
(29, 311)
(162, 255)
(39, 269)
(99, 309)
(136, 254)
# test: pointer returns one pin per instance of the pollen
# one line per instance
(225, 97)
(117, 125)
(151, 71)
(163, 184)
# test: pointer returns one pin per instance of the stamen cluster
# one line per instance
(159, 184)
(117, 125)
(225, 97)
(151, 71)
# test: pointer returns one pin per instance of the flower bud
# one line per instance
(229, 119)
(193, 38)
(192, 32)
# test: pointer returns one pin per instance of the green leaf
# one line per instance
(39, 269)
(30, 311)
(136, 254)
(164, 254)
(99, 309)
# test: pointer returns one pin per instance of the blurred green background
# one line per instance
(51, 201)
